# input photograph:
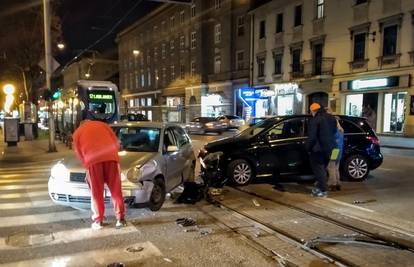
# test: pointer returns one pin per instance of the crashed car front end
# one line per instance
(68, 186)
(212, 171)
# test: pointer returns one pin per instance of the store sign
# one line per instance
(378, 83)
(363, 84)
(286, 88)
(254, 94)
(99, 96)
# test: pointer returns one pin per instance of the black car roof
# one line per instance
(280, 118)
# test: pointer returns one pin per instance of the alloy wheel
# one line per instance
(357, 168)
(242, 173)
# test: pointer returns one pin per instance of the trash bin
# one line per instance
(11, 131)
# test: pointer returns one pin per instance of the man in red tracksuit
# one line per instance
(96, 146)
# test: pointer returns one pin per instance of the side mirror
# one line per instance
(171, 149)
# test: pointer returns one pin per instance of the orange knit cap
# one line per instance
(315, 107)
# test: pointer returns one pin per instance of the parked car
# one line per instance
(155, 158)
(202, 125)
(134, 117)
(231, 121)
(276, 146)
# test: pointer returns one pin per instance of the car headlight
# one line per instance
(210, 124)
(138, 173)
(59, 171)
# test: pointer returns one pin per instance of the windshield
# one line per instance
(138, 139)
(101, 100)
(259, 127)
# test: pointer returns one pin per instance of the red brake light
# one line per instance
(374, 140)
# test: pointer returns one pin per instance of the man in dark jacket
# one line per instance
(320, 143)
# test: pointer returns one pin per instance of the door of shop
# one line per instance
(394, 112)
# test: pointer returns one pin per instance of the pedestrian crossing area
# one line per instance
(36, 232)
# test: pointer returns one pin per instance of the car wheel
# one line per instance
(240, 172)
(157, 197)
(356, 168)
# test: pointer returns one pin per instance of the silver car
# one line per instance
(202, 125)
(155, 158)
(231, 121)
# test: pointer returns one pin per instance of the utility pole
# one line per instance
(48, 63)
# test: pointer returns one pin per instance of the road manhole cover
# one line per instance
(25, 239)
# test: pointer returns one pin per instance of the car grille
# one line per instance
(77, 177)
(85, 199)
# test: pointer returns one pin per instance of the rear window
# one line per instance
(350, 127)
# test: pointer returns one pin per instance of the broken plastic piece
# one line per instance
(167, 260)
(256, 203)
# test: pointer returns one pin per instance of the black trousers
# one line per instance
(319, 161)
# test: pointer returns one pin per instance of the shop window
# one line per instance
(136, 102)
(279, 22)
(142, 102)
(278, 63)
(262, 29)
(261, 67)
(149, 101)
(359, 46)
(240, 26)
(320, 9)
(131, 103)
(390, 41)
(149, 115)
(298, 16)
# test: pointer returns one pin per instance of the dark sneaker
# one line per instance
(338, 187)
(318, 193)
(96, 225)
(120, 224)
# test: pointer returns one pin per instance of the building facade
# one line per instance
(183, 61)
(355, 57)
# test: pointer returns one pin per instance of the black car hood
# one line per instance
(226, 143)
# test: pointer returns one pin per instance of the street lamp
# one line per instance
(135, 52)
(61, 46)
(9, 90)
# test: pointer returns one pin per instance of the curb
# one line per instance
(397, 147)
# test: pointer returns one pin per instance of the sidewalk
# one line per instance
(30, 151)
(398, 142)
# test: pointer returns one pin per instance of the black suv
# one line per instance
(276, 146)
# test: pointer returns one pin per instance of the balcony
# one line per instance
(389, 60)
(323, 66)
(360, 64)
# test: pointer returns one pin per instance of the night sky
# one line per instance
(85, 21)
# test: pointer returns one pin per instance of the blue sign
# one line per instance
(249, 96)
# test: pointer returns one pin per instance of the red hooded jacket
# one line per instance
(95, 142)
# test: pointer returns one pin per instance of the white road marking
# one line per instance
(23, 205)
(26, 220)
(385, 169)
(23, 186)
(22, 195)
(77, 235)
(101, 257)
(27, 181)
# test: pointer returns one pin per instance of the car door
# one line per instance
(172, 170)
(185, 153)
(284, 149)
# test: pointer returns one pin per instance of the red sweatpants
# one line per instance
(105, 173)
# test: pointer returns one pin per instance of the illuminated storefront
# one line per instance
(212, 105)
(381, 100)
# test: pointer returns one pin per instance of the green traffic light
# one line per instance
(56, 95)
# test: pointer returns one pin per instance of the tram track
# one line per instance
(331, 241)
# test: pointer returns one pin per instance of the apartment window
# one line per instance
(126, 80)
(359, 46)
(217, 33)
(172, 70)
(182, 42)
(240, 60)
(262, 29)
(217, 64)
(155, 30)
(149, 77)
(136, 102)
(172, 45)
(143, 102)
(156, 77)
(172, 22)
(261, 67)
(164, 75)
(148, 59)
(358, 2)
(217, 4)
(317, 58)
(193, 40)
(296, 67)
(149, 101)
(320, 8)
(279, 22)
(142, 78)
(163, 51)
(136, 79)
(240, 26)
(182, 73)
(131, 80)
(298, 16)
(193, 10)
(131, 103)
(390, 41)
(278, 63)
(163, 26)
(182, 17)
(155, 53)
(193, 68)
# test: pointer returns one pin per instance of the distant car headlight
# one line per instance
(210, 124)
(139, 173)
(59, 171)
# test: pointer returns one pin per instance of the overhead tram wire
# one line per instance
(110, 31)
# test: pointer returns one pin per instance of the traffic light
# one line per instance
(56, 94)
(52, 95)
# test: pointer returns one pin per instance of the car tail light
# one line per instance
(374, 140)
